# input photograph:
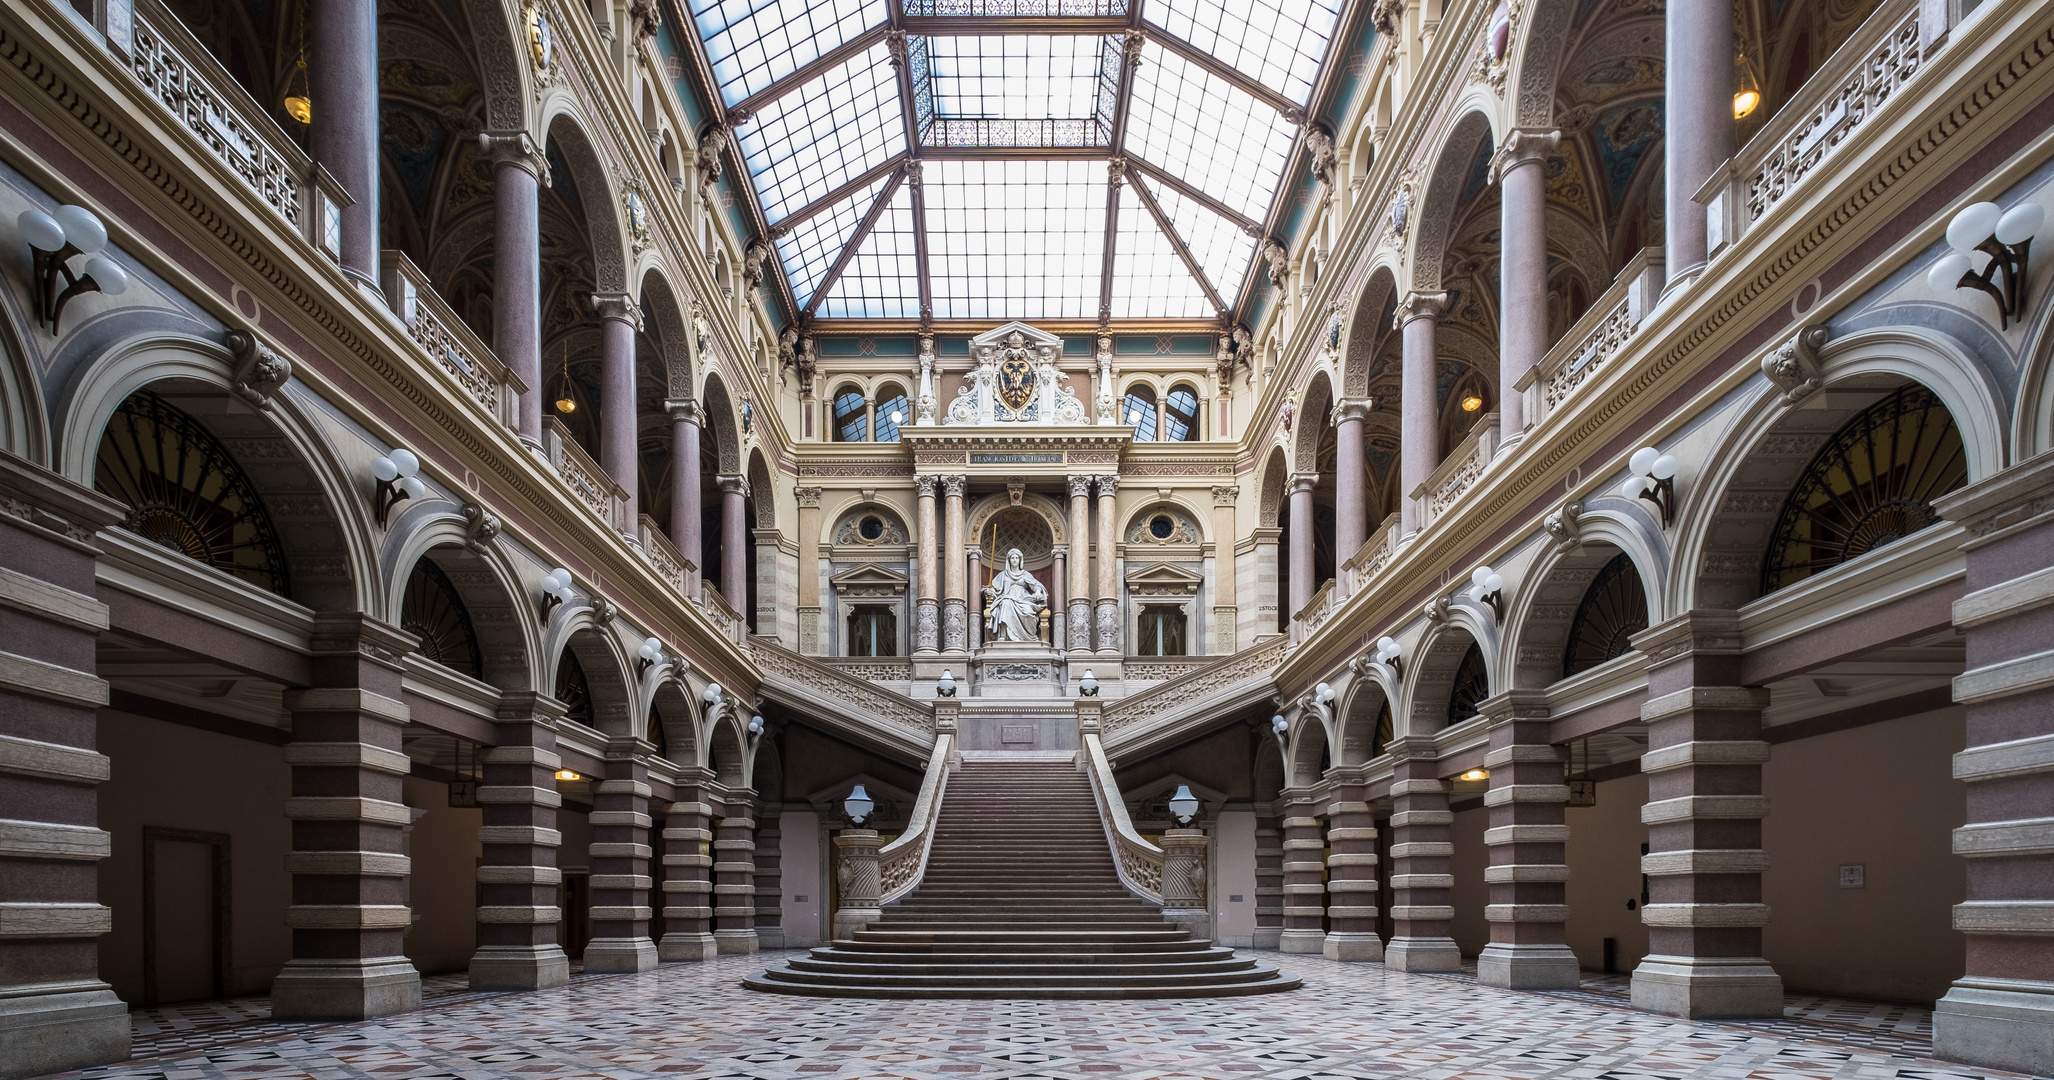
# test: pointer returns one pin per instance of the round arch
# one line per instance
(720, 422)
(660, 304)
(484, 579)
(1542, 614)
(1436, 209)
(1437, 661)
(1311, 756)
(566, 132)
(1368, 715)
(672, 715)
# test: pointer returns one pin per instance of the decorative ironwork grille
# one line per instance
(1614, 608)
(1472, 684)
(433, 610)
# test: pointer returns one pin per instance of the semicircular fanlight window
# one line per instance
(1385, 730)
(433, 611)
(1472, 684)
(183, 491)
(1614, 609)
(1873, 482)
(572, 690)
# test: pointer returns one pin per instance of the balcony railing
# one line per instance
(1597, 337)
(877, 669)
(722, 614)
(177, 70)
(1316, 610)
(673, 568)
(1375, 553)
(472, 368)
(836, 695)
(1217, 675)
(1882, 55)
(588, 482)
(1459, 471)
(1161, 668)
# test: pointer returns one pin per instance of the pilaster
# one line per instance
(1528, 841)
(519, 922)
(1421, 913)
(734, 880)
(1351, 878)
(1304, 869)
(620, 861)
(688, 879)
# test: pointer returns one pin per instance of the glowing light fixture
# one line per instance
(946, 685)
(1988, 240)
(858, 806)
(1653, 479)
(1471, 403)
(1184, 805)
(55, 240)
(1389, 654)
(1488, 588)
(398, 479)
(566, 774)
(1475, 774)
(565, 403)
(1087, 685)
(556, 588)
(651, 654)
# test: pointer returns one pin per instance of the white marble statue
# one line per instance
(1013, 603)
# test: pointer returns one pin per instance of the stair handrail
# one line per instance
(1139, 862)
(902, 863)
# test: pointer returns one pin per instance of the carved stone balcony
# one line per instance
(1459, 471)
(456, 351)
(588, 483)
(1589, 345)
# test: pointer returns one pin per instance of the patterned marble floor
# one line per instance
(693, 1022)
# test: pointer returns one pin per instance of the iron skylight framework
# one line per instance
(1051, 159)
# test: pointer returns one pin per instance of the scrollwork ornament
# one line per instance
(259, 371)
(1794, 365)
(481, 527)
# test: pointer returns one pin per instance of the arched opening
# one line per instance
(1368, 726)
(1472, 684)
(891, 411)
(1454, 676)
(434, 612)
(672, 727)
(1180, 414)
(1272, 568)
(725, 755)
(1138, 410)
(573, 689)
(1469, 399)
(1613, 609)
(851, 415)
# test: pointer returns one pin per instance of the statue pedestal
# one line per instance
(1014, 669)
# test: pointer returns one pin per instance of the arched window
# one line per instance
(851, 422)
(1386, 730)
(1873, 482)
(183, 491)
(1180, 414)
(1472, 684)
(1614, 609)
(433, 610)
(890, 399)
(573, 690)
(1139, 410)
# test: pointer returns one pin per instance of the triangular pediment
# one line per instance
(1164, 579)
(869, 579)
(1034, 336)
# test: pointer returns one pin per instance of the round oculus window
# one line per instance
(871, 527)
(1160, 526)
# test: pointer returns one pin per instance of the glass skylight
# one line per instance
(753, 43)
(1020, 91)
(1219, 245)
(812, 247)
(1278, 43)
(818, 137)
(1017, 8)
(883, 280)
(1213, 134)
(1149, 279)
(1015, 239)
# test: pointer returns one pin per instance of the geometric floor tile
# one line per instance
(1349, 1022)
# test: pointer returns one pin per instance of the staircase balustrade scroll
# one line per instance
(1192, 686)
(859, 697)
(1140, 863)
(903, 862)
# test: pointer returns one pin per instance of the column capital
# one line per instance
(1225, 495)
(338, 633)
(515, 150)
(684, 409)
(1108, 485)
(618, 306)
(1080, 485)
(923, 485)
(528, 707)
(1513, 705)
(2021, 493)
(1419, 305)
(1523, 146)
(732, 484)
(808, 497)
(954, 486)
(1304, 482)
(1354, 409)
(1412, 748)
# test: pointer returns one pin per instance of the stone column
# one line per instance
(55, 1011)
(684, 485)
(734, 880)
(1184, 875)
(342, 80)
(687, 880)
(1058, 605)
(618, 424)
(1704, 817)
(1699, 107)
(1080, 564)
(1351, 878)
(1528, 840)
(520, 926)
(856, 882)
(926, 548)
(1301, 547)
(1351, 482)
(974, 595)
(1305, 893)
(1421, 915)
(2000, 1013)
(809, 569)
(620, 861)
(769, 879)
(1108, 564)
(1419, 450)
(734, 546)
(348, 862)
(1269, 881)
(954, 626)
(1523, 278)
(518, 170)
(1226, 573)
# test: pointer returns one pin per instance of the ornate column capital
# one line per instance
(515, 150)
(954, 486)
(808, 497)
(619, 306)
(732, 485)
(1225, 495)
(684, 409)
(1303, 482)
(1108, 485)
(1420, 305)
(1354, 409)
(923, 486)
(1080, 485)
(1523, 146)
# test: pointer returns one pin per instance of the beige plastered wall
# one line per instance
(443, 890)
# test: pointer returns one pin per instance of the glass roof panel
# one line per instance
(816, 138)
(753, 43)
(1219, 245)
(812, 247)
(882, 281)
(1017, 90)
(1015, 239)
(1197, 126)
(1278, 43)
(1016, 7)
(1149, 279)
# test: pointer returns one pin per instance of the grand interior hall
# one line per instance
(775, 539)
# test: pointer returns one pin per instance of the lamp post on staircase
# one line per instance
(856, 878)
(1184, 868)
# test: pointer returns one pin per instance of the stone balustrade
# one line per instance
(588, 483)
(1600, 335)
(455, 349)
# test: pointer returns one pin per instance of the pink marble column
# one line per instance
(927, 614)
(1699, 116)
(342, 75)
(1523, 277)
(1301, 543)
(684, 482)
(1080, 564)
(517, 171)
(1108, 564)
(734, 545)
(1351, 495)
(1419, 409)
(618, 317)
